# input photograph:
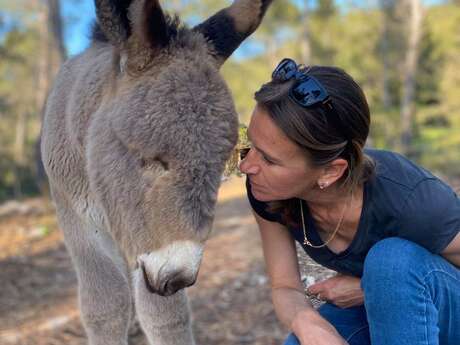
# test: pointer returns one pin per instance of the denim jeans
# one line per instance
(411, 297)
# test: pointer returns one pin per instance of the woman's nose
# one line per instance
(248, 164)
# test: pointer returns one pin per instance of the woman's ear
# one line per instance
(332, 172)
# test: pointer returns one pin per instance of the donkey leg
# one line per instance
(165, 320)
(103, 286)
(105, 302)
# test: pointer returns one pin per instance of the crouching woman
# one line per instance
(388, 227)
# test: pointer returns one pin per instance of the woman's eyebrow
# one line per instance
(273, 159)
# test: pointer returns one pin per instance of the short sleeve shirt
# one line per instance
(400, 200)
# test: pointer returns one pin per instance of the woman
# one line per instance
(388, 227)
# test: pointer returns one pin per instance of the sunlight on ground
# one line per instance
(232, 188)
(29, 235)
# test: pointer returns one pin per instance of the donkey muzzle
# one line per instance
(171, 268)
(169, 285)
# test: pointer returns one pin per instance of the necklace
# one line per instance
(307, 242)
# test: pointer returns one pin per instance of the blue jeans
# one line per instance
(411, 297)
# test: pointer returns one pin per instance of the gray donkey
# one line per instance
(136, 133)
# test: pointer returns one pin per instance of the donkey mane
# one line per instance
(97, 35)
(174, 28)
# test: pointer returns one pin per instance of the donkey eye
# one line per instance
(163, 163)
(150, 163)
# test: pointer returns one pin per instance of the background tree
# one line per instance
(304, 39)
(36, 42)
(385, 49)
(52, 55)
(324, 23)
(409, 74)
(370, 40)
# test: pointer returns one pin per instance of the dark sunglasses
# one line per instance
(307, 91)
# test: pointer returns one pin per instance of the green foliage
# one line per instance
(243, 144)
(357, 40)
(281, 16)
(17, 99)
(353, 41)
(439, 141)
(244, 79)
(326, 9)
(11, 173)
(429, 71)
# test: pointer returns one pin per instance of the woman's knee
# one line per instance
(391, 261)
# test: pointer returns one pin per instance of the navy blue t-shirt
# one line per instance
(400, 200)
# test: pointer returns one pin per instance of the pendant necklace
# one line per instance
(307, 242)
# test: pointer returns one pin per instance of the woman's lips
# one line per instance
(253, 184)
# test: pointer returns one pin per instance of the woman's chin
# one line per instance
(261, 195)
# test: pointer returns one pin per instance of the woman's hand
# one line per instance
(312, 329)
(341, 290)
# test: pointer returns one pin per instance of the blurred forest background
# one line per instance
(404, 53)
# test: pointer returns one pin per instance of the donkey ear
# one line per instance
(229, 27)
(112, 16)
(153, 28)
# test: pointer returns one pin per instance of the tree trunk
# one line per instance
(52, 55)
(19, 151)
(387, 7)
(56, 52)
(409, 76)
(20, 138)
(42, 76)
(305, 47)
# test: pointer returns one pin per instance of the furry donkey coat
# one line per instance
(136, 133)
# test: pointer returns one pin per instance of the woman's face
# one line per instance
(277, 168)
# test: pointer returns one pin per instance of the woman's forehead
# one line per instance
(268, 137)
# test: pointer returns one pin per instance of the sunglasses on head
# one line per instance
(307, 91)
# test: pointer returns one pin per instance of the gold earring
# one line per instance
(323, 185)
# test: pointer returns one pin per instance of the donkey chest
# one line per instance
(91, 213)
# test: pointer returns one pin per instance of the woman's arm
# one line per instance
(290, 303)
(283, 270)
(452, 251)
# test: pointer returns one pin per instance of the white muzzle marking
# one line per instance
(172, 267)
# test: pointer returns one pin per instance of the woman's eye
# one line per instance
(267, 160)
(244, 152)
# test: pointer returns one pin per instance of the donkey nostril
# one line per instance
(172, 286)
(177, 283)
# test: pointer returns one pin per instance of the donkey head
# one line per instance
(160, 139)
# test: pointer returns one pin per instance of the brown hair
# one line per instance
(323, 135)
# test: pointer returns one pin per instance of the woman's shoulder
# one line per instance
(418, 205)
(403, 188)
(394, 170)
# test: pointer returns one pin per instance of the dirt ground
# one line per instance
(230, 301)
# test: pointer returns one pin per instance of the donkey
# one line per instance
(136, 133)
